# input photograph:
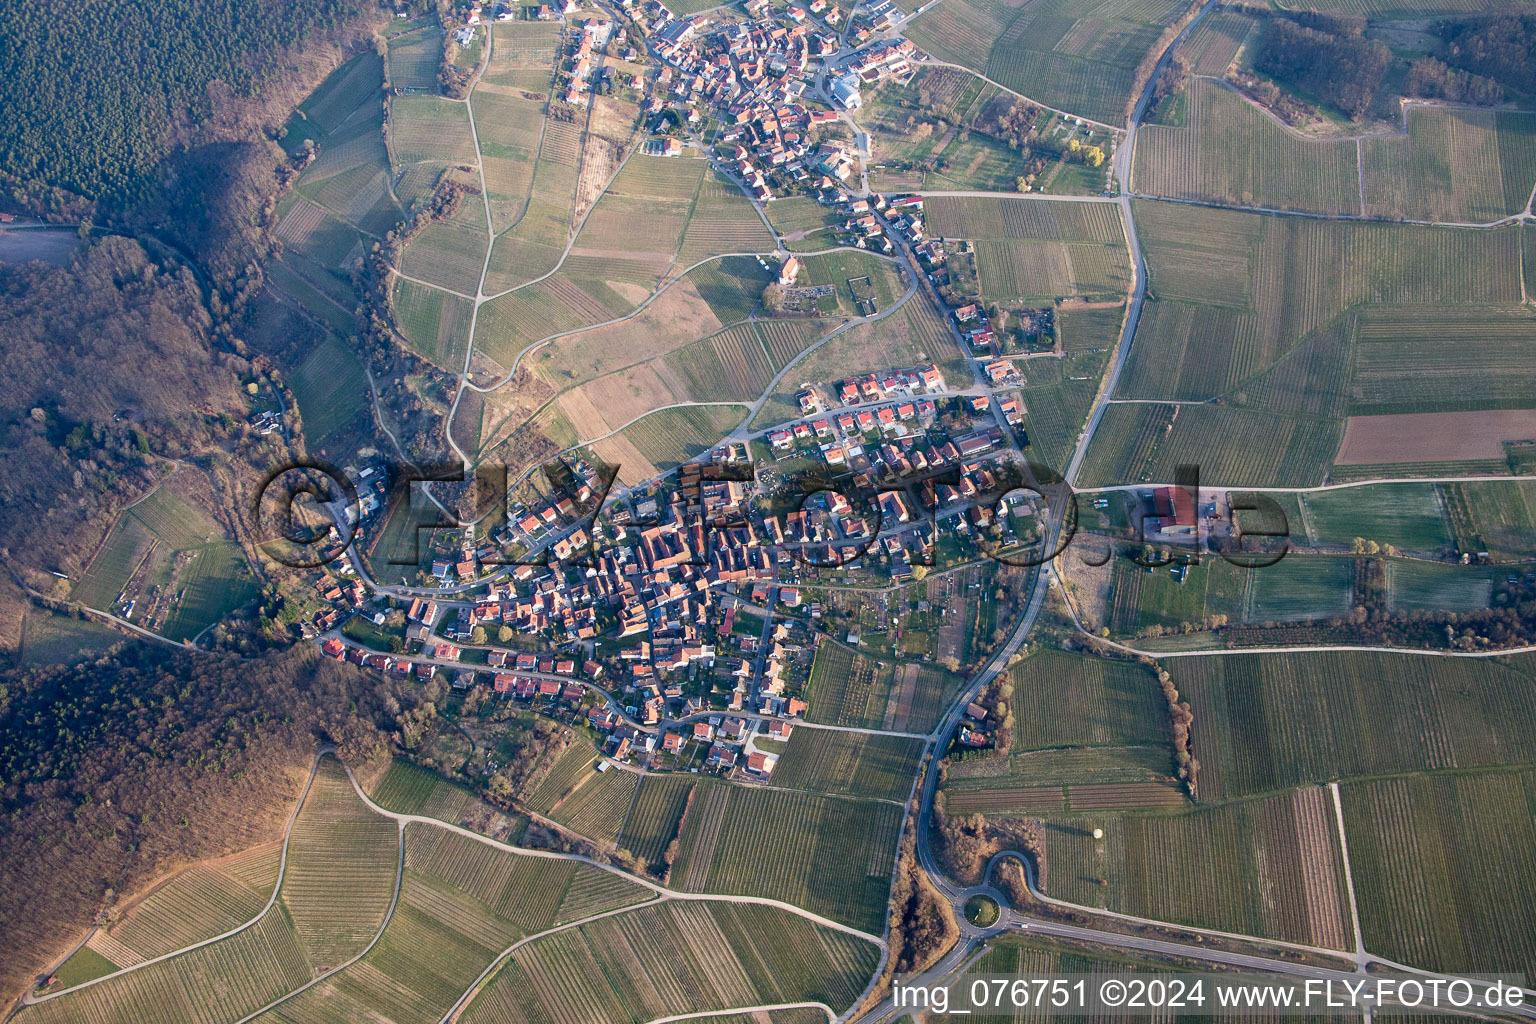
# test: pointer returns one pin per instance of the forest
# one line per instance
(118, 769)
(1499, 48)
(96, 94)
(1342, 69)
(78, 431)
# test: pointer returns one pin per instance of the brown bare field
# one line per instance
(582, 414)
(678, 316)
(626, 396)
(620, 451)
(1433, 436)
(609, 134)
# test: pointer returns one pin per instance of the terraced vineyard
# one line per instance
(1269, 721)
(598, 808)
(573, 766)
(675, 958)
(342, 863)
(1188, 868)
(1442, 864)
(755, 842)
(342, 866)
(656, 816)
(406, 788)
(854, 764)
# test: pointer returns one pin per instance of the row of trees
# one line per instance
(1181, 718)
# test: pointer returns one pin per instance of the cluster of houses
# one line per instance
(752, 76)
(592, 36)
(889, 59)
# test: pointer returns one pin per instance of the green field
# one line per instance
(1035, 252)
(1076, 55)
(1410, 517)
(1497, 517)
(851, 764)
(462, 901)
(1300, 588)
(657, 813)
(1463, 165)
(1244, 303)
(838, 269)
(676, 958)
(573, 767)
(124, 549)
(1267, 867)
(342, 864)
(413, 60)
(1265, 722)
(847, 688)
(166, 542)
(331, 391)
(1295, 323)
(1440, 586)
(51, 639)
(1230, 151)
(1090, 328)
(913, 335)
(215, 582)
(1444, 866)
(1062, 699)
(758, 842)
(1449, 165)
(1143, 597)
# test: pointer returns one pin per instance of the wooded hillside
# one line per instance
(96, 93)
(119, 769)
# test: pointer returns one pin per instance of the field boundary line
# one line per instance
(1347, 218)
(1341, 485)
(1360, 173)
(1349, 877)
(402, 275)
(764, 1008)
(468, 995)
(655, 887)
(932, 61)
(388, 916)
(277, 886)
